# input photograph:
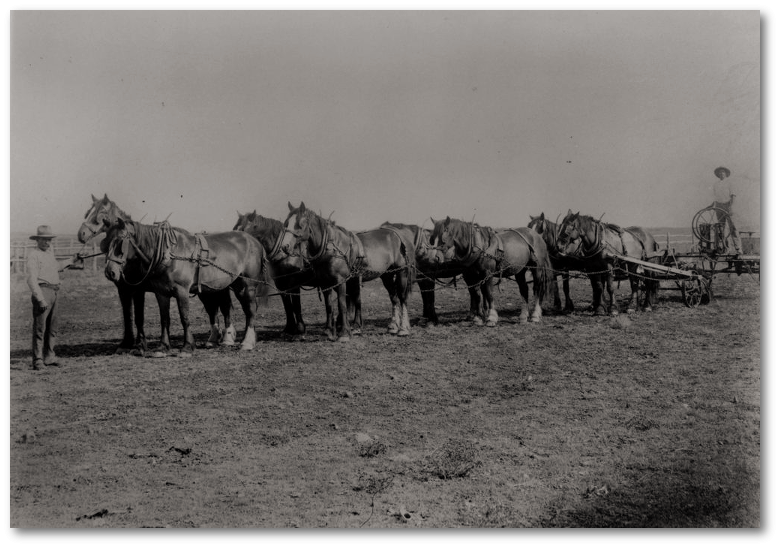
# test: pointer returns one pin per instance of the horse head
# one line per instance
(102, 209)
(298, 230)
(455, 239)
(568, 231)
(117, 247)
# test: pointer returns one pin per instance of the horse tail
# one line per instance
(545, 273)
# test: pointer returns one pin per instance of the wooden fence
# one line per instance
(63, 248)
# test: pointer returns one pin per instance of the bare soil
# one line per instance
(647, 420)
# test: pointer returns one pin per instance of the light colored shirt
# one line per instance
(42, 267)
(722, 190)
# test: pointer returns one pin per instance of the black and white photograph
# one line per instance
(386, 269)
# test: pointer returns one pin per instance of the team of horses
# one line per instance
(262, 257)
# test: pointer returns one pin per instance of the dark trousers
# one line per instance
(44, 335)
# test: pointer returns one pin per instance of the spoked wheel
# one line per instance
(703, 223)
(692, 292)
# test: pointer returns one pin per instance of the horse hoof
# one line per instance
(122, 350)
(159, 354)
(247, 347)
(535, 319)
(478, 322)
(403, 333)
(491, 323)
(391, 330)
(227, 344)
(208, 345)
(185, 354)
(343, 339)
(357, 331)
(630, 311)
(614, 313)
(647, 309)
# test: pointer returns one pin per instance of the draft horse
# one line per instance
(562, 264)
(176, 264)
(104, 213)
(288, 273)
(485, 253)
(341, 260)
(599, 245)
(429, 266)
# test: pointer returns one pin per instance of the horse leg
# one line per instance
(569, 303)
(395, 316)
(226, 307)
(342, 322)
(164, 304)
(354, 305)
(536, 315)
(125, 299)
(651, 290)
(556, 296)
(330, 325)
(212, 307)
(138, 307)
(598, 290)
(612, 309)
(491, 315)
(247, 295)
(403, 288)
(183, 303)
(634, 283)
(522, 285)
(427, 293)
(295, 301)
(475, 309)
(289, 327)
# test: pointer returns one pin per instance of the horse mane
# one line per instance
(265, 224)
(112, 207)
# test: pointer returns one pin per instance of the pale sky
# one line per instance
(383, 116)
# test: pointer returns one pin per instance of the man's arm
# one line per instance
(33, 268)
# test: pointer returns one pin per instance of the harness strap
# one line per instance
(201, 255)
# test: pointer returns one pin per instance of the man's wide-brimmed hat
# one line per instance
(724, 170)
(44, 233)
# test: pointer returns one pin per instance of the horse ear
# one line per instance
(106, 223)
(569, 213)
(120, 222)
(290, 206)
(303, 206)
(447, 220)
(94, 199)
(255, 212)
(433, 220)
(542, 216)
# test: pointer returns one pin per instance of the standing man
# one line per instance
(43, 277)
(731, 237)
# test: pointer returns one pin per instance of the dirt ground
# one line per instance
(648, 420)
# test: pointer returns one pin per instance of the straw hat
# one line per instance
(44, 233)
(724, 170)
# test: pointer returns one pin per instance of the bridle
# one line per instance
(127, 238)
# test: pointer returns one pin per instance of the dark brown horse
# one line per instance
(177, 264)
(562, 264)
(104, 213)
(430, 267)
(341, 260)
(289, 274)
(600, 244)
(485, 253)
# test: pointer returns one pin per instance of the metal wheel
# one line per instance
(692, 292)
(704, 220)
